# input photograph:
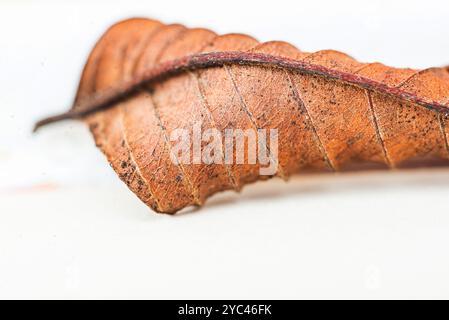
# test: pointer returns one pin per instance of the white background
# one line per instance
(70, 229)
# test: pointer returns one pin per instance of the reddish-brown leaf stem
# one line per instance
(107, 99)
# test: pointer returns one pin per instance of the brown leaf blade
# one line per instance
(145, 79)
